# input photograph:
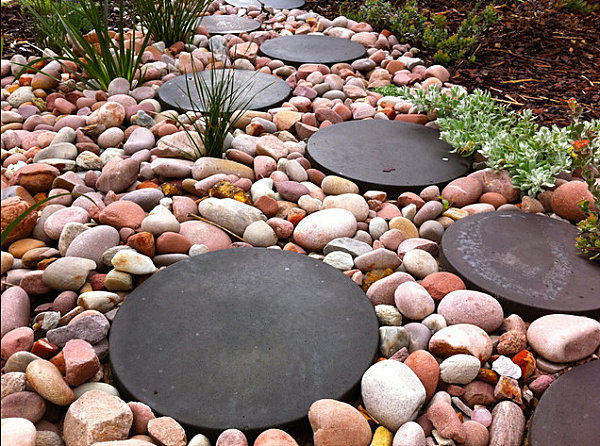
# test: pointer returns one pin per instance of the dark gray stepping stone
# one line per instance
(569, 410)
(528, 262)
(296, 50)
(246, 338)
(228, 24)
(277, 4)
(265, 90)
(386, 155)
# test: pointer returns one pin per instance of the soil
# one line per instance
(537, 56)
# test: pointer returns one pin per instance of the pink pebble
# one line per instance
(482, 416)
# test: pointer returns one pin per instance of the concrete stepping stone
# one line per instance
(527, 261)
(386, 155)
(300, 49)
(568, 413)
(267, 91)
(243, 337)
(276, 4)
(228, 24)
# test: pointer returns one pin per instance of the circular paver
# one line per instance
(386, 155)
(228, 24)
(265, 90)
(246, 338)
(327, 50)
(528, 261)
(277, 4)
(568, 413)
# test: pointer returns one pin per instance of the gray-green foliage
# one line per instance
(509, 140)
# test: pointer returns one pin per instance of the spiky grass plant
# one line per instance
(47, 27)
(170, 21)
(101, 55)
(216, 111)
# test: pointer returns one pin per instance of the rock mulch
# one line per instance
(68, 268)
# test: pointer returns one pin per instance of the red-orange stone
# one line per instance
(493, 198)
(426, 368)
(172, 242)
(142, 242)
(12, 207)
(44, 349)
(526, 361)
(441, 283)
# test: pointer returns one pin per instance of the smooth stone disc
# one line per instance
(386, 155)
(301, 49)
(228, 24)
(568, 412)
(276, 4)
(528, 262)
(263, 90)
(246, 338)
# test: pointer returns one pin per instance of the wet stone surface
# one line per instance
(529, 262)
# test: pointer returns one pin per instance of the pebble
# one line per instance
(47, 381)
(68, 273)
(347, 245)
(275, 437)
(459, 369)
(317, 229)
(97, 416)
(27, 405)
(15, 309)
(81, 362)
(339, 260)
(413, 301)
(382, 291)
(392, 393)
(380, 258)
(508, 425)
(130, 261)
(232, 437)
(165, 430)
(419, 263)
(426, 367)
(92, 243)
(410, 434)
(461, 338)
(473, 307)
(18, 432)
(446, 422)
(231, 214)
(387, 314)
(202, 233)
(335, 423)
(91, 328)
(392, 339)
(503, 366)
(441, 283)
(563, 337)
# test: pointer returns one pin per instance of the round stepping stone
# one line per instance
(567, 412)
(265, 90)
(276, 4)
(301, 49)
(528, 262)
(244, 337)
(228, 24)
(386, 155)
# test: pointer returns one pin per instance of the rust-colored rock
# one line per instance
(36, 177)
(142, 242)
(11, 209)
(566, 197)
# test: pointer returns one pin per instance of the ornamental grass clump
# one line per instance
(101, 55)
(218, 104)
(170, 21)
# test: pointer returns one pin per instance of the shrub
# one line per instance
(170, 21)
(409, 23)
(102, 55)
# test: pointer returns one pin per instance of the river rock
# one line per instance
(461, 338)
(392, 393)
(92, 244)
(46, 380)
(97, 416)
(229, 213)
(319, 228)
(68, 273)
(564, 337)
(338, 424)
(508, 425)
(472, 307)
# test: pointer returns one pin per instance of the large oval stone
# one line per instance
(392, 393)
(317, 229)
(461, 338)
(471, 307)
